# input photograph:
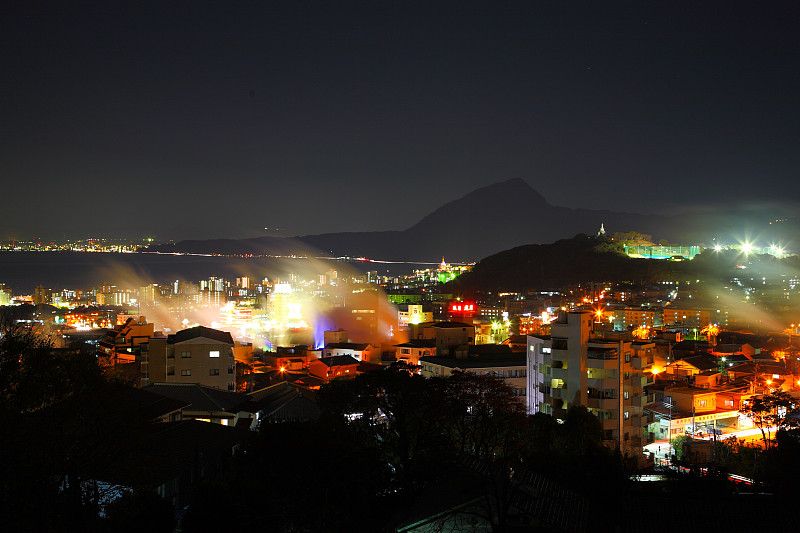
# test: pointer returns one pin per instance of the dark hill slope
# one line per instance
(549, 266)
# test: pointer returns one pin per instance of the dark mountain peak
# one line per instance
(510, 193)
(516, 188)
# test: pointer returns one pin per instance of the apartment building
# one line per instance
(632, 318)
(572, 366)
(195, 355)
(494, 359)
(123, 343)
(693, 318)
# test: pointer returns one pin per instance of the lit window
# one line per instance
(186, 372)
(213, 353)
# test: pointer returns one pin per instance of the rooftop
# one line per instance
(200, 397)
(200, 332)
(473, 362)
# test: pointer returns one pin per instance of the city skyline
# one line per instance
(223, 121)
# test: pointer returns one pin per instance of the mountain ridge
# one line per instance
(496, 217)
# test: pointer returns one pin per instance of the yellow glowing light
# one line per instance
(711, 330)
(655, 370)
(283, 369)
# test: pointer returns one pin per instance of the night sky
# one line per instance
(217, 119)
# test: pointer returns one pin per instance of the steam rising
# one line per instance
(301, 299)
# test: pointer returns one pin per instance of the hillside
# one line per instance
(488, 220)
(552, 266)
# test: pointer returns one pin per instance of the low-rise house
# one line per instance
(729, 350)
(683, 410)
(691, 366)
(123, 343)
(204, 403)
(764, 375)
(328, 368)
(146, 405)
(289, 358)
(169, 458)
(358, 351)
(448, 335)
(410, 352)
(283, 402)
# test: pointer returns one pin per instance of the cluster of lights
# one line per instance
(748, 248)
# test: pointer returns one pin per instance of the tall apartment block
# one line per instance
(572, 366)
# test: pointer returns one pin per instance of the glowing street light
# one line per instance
(642, 332)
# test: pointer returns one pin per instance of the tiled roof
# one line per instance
(286, 401)
(448, 325)
(163, 451)
(418, 343)
(338, 360)
(200, 331)
(347, 345)
(148, 404)
(200, 397)
(480, 361)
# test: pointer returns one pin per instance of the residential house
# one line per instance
(328, 368)
(204, 403)
(358, 351)
(410, 352)
(195, 355)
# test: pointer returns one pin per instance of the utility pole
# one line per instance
(669, 428)
(714, 449)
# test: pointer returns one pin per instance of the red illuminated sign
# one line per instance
(462, 308)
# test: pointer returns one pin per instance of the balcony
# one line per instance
(610, 424)
(559, 344)
(601, 358)
(559, 373)
(634, 421)
(602, 403)
(602, 353)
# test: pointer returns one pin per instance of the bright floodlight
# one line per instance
(718, 248)
(747, 247)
